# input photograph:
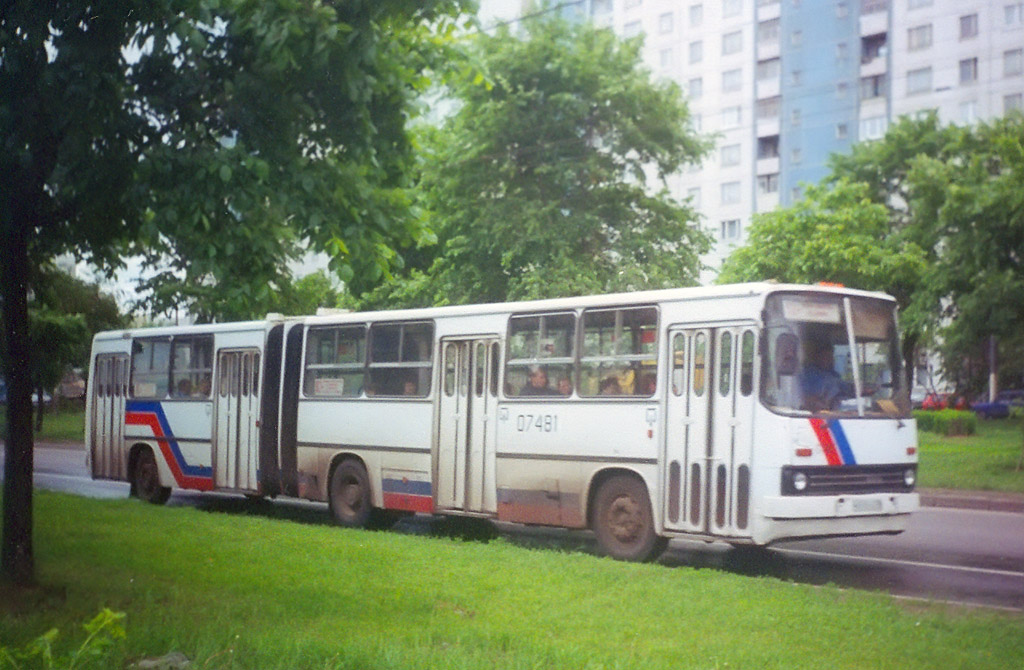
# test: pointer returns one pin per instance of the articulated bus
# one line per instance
(748, 414)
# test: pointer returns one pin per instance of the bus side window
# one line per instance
(700, 352)
(747, 363)
(151, 367)
(678, 364)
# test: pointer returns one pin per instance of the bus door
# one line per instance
(109, 390)
(236, 419)
(732, 425)
(710, 429)
(687, 430)
(466, 425)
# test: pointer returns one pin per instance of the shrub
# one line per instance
(103, 632)
(947, 421)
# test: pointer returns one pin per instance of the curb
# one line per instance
(979, 500)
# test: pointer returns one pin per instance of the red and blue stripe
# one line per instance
(833, 441)
(151, 414)
(408, 494)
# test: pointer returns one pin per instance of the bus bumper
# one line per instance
(795, 517)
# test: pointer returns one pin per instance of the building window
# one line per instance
(842, 88)
(794, 117)
(796, 38)
(1013, 13)
(873, 6)
(693, 195)
(768, 31)
(796, 155)
(732, 80)
(919, 81)
(696, 52)
(731, 117)
(696, 88)
(732, 8)
(768, 108)
(630, 4)
(1013, 62)
(730, 193)
(969, 71)
(1013, 103)
(842, 52)
(919, 38)
(665, 58)
(768, 69)
(969, 112)
(730, 230)
(768, 183)
(795, 77)
(730, 155)
(872, 87)
(665, 23)
(732, 43)
(696, 15)
(631, 29)
(842, 11)
(968, 26)
(918, 4)
(873, 127)
(842, 131)
(768, 147)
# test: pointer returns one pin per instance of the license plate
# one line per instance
(867, 505)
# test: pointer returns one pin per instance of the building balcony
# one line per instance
(768, 165)
(769, 11)
(874, 23)
(768, 88)
(767, 49)
(876, 66)
(768, 127)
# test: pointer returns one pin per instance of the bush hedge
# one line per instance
(947, 421)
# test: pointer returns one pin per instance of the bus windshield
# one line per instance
(833, 355)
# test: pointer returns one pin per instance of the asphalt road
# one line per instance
(961, 556)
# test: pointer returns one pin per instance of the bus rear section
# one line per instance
(179, 408)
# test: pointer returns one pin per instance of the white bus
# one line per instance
(749, 414)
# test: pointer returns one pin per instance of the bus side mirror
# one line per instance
(786, 358)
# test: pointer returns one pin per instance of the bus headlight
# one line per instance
(799, 481)
(910, 477)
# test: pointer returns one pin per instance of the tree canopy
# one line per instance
(215, 136)
(548, 178)
(931, 214)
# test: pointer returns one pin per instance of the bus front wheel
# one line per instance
(146, 479)
(623, 522)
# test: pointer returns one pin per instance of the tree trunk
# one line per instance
(40, 408)
(17, 564)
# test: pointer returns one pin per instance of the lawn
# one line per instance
(246, 591)
(64, 426)
(986, 461)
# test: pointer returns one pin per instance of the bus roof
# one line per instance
(553, 304)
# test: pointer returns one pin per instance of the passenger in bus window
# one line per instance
(647, 385)
(184, 389)
(409, 387)
(610, 386)
(538, 384)
(564, 386)
(204, 388)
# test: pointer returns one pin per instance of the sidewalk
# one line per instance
(983, 500)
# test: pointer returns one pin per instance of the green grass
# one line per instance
(66, 426)
(985, 461)
(233, 591)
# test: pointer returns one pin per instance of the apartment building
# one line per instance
(782, 84)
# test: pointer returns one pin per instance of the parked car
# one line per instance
(1000, 407)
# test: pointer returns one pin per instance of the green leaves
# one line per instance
(537, 183)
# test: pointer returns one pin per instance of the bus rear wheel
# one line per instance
(349, 495)
(623, 521)
(146, 479)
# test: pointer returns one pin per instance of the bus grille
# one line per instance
(847, 479)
